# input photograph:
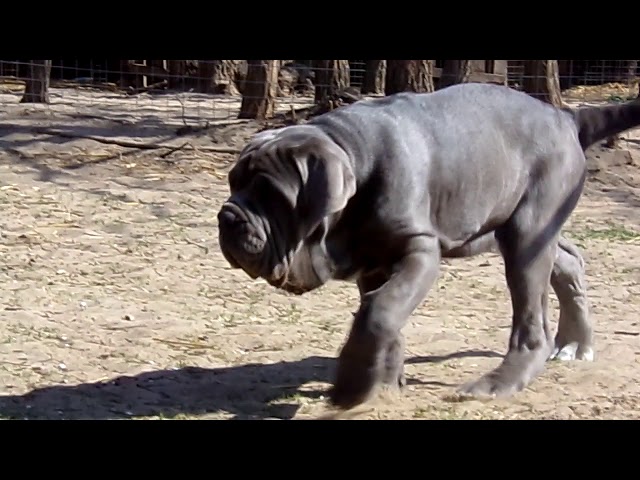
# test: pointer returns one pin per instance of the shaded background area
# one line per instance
(266, 87)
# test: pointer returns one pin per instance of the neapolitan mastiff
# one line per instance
(381, 190)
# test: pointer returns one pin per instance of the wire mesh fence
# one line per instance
(181, 92)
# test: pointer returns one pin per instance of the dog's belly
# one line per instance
(474, 203)
(478, 245)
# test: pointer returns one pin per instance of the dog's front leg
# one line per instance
(374, 350)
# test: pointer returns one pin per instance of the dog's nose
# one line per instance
(227, 218)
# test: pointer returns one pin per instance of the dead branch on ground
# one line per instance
(175, 149)
(130, 144)
(131, 91)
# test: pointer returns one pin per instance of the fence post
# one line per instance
(261, 87)
(37, 83)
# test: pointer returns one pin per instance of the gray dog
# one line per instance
(379, 191)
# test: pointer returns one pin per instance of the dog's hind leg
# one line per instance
(574, 340)
(528, 242)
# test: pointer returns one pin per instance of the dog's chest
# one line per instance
(357, 247)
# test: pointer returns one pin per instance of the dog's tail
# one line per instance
(597, 123)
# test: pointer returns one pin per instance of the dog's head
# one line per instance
(284, 187)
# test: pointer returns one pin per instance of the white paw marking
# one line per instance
(572, 351)
(586, 354)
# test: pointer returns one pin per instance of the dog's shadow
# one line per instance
(253, 391)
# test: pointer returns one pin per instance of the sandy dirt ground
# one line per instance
(115, 301)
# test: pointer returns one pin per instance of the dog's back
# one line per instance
(471, 108)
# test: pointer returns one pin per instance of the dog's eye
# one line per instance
(264, 192)
(262, 187)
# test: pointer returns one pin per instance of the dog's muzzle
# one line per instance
(241, 242)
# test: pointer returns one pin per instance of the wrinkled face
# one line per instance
(282, 188)
(257, 232)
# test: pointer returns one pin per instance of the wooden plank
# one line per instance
(500, 67)
(490, 66)
(479, 77)
(150, 70)
(477, 66)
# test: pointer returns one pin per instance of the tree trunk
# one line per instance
(374, 73)
(218, 76)
(632, 68)
(205, 76)
(331, 77)
(177, 71)
(37, 83)
(260, 91)
(408, 75)
(156, 65)
(541, 80)
(126, 78)
(455, 71)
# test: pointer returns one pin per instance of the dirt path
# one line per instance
(115, 302)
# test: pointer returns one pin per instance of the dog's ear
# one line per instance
(328, 180)
(240, 174)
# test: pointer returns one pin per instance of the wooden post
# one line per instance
(258, 99)
(409, 75)
(37, 83)
(332, 76)
(455, 71)
(541, 80)
(374, 74)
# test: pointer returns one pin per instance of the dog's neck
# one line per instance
(327, 261)
(355, 145)
(331, 256)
